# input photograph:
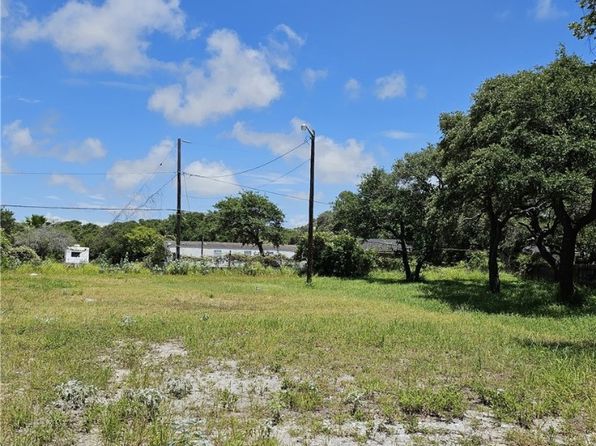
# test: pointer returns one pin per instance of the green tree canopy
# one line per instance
(250, 218)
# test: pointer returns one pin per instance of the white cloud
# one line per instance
(210, 187)
(90, 149)
(421, 92)
(112, 35)
(399, 134)
(195, 33)
(391, 86)
(28, 100)
(234, 78)
(126, 174)
(547, 10)
(352, 88)
(310, 76)
(21, 142)
(338, 163)
(279, 46)
(71, 182)
(19, 138)
(291, 34)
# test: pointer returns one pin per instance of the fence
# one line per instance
(583, 274)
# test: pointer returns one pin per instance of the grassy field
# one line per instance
(226, 358)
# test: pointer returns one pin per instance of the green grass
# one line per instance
(436, 348)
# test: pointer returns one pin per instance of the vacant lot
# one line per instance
(224, 358)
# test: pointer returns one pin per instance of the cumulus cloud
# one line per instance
(19, 138)
(112, 35)
(210, 187)
(547, 10)
(391, 86)
(399, 134)
(338, 163)
(71, 182)
(235, 77)
(310, 76)
(280, 45)
(126, 174)
(21, 142)
(90, 149)
(352, 88)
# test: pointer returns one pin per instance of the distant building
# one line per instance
(76, 255)
(384, 246)
(221, 249)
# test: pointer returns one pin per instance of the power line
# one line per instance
(294, 197)
(86, 173)
(145, 183)
(287, 173)
(260, 165)
(82, 208)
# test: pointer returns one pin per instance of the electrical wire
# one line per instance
(287, 173)
(87, 173)
(256, 189)
(82, 208)
(241, 172)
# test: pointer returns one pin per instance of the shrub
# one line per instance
(47, 242)
(178, 387)
(339, 255)
(24, 254)
(74, 394)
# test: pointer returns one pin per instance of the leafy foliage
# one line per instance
(47, 242)
(339, 255)
(250, 218)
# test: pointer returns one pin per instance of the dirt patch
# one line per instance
(166, 350)
(224, 384)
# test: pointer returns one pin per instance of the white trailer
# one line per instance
(76, 255)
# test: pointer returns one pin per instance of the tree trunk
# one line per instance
(494, 283)
(539, 239)
(260, 246)
(567, 292)
(404, 253)
(419, 264)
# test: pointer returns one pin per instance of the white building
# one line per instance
(221, 249)
(76, 255)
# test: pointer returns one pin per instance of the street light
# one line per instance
(309, 259)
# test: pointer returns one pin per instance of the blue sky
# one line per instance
(94, 94)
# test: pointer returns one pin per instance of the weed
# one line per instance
(178, 387)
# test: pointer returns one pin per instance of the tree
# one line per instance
(8, 223)
(339, 255)
(46, 241)
(84, 234)
(141, 242)
(561, 136)
(483, 162)
(36, 221)
(528, 142)
(587, 24)
(250, 218)
(397, 204)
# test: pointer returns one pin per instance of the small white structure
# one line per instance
(76, 255)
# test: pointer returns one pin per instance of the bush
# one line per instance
(24, 254)
(47, 242)
(339, 255)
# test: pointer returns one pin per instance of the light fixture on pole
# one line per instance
(309, 259)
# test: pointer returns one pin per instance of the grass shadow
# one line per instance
(580, 347)
(526, 298)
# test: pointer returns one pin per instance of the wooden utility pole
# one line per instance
(178, 199)
(311, 198)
